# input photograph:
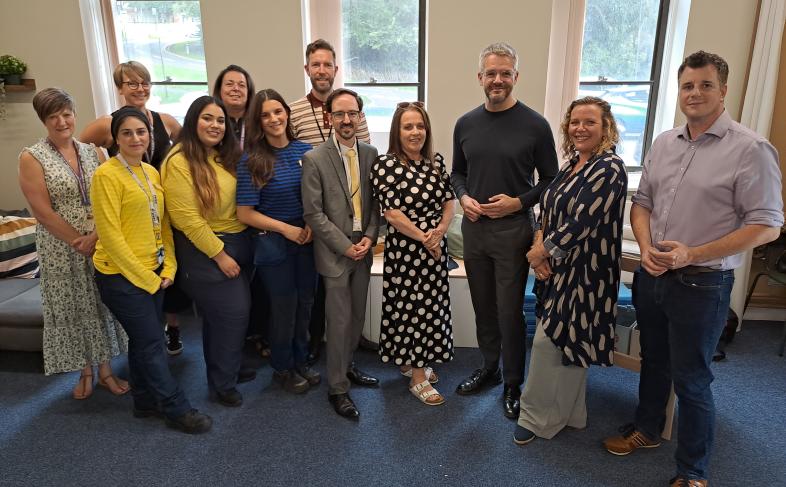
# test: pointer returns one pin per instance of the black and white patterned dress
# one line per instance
(416, 327)
(582, 216)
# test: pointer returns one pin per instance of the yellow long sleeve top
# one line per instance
(126, 242)
(183, 206)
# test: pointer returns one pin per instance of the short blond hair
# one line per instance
(134, 67)
(52, 100)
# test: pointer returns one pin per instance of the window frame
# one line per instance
(111, 26)
(421, 83)
(654, 82)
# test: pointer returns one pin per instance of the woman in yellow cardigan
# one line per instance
(212, 246)
(135, 262)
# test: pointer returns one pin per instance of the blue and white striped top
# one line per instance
(280, 198)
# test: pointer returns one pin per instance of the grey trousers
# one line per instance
(555, 394)
(345, 309)
(495, 259)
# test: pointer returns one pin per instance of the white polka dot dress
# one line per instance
(416, 326)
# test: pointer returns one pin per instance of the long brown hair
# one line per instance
(261, 156)
(394, 142)
(610, 133)
(203, 175)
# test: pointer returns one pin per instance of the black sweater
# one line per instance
(498, 153)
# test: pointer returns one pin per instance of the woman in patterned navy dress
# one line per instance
(414, 193)
(576, 259)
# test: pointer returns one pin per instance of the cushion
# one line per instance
(18, 256)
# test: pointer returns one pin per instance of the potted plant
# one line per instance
(12, 69)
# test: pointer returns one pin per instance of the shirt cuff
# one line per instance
(553, 250)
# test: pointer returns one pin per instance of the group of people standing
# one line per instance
(295, 196)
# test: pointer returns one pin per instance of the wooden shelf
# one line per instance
(27, 85)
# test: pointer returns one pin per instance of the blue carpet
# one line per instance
(47, 438)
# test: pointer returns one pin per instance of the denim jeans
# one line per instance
(290, 286)
(680, 317)
(142, 317)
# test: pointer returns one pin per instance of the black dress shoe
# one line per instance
(344, 406)
(231, 398)
(511, 401)
(193, 422)
(478, 380)
(246, 375)
(360, 378)
(314, 351)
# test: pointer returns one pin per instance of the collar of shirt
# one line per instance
(342, 150)
(719, 127)
(315, 102)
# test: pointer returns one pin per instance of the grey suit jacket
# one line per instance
(327, 207)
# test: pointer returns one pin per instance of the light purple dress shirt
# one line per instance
(701, 190)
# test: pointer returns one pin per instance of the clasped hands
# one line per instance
(499, 205)
(359, 250)
(672, 255)
(86, 244)
(432, 240)
(538, 258)
(300, 236)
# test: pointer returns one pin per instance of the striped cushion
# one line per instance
(18, 256)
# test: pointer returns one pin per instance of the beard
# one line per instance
(497, 97)
(322, 86)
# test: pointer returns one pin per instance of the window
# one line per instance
(621, 62)
(165, 36)
(383, 55)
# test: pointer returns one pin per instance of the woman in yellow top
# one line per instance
(135, 262)
(212, 245)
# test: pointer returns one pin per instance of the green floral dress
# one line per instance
(78, 329)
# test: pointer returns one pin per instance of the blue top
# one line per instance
(280, 197)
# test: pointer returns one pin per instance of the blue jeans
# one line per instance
(290, 286)
(680, 316)
(142, 317)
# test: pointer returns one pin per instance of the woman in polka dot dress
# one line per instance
(414, 193)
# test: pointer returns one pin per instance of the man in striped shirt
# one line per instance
(309, 120)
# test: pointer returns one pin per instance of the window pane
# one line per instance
(379, 103)
(165, 36)
(380, 39)
(629, 105)
(619, 40)
(175, 99)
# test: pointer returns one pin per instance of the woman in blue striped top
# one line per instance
(268, 199)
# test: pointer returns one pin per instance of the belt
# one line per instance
(695, 269)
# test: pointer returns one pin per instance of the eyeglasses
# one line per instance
(135, 84)
(353, 115)
(506, 75)
(407, 104)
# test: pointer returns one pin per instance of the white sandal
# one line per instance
(431, 376)
(418, 391)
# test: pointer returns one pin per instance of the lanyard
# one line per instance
(242, 132)
(152, 200)
(79, 174)
(319, 124)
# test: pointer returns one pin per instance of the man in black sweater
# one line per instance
(497, 148)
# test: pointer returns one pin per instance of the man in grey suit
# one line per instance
(339, 208)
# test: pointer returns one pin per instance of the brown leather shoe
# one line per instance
(681, 482)
(631, 439)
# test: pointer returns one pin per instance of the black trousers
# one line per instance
(223, 303)
(494, 256)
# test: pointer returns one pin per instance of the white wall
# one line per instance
(48, 37)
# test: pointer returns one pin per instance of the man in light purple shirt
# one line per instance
(709, 191)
